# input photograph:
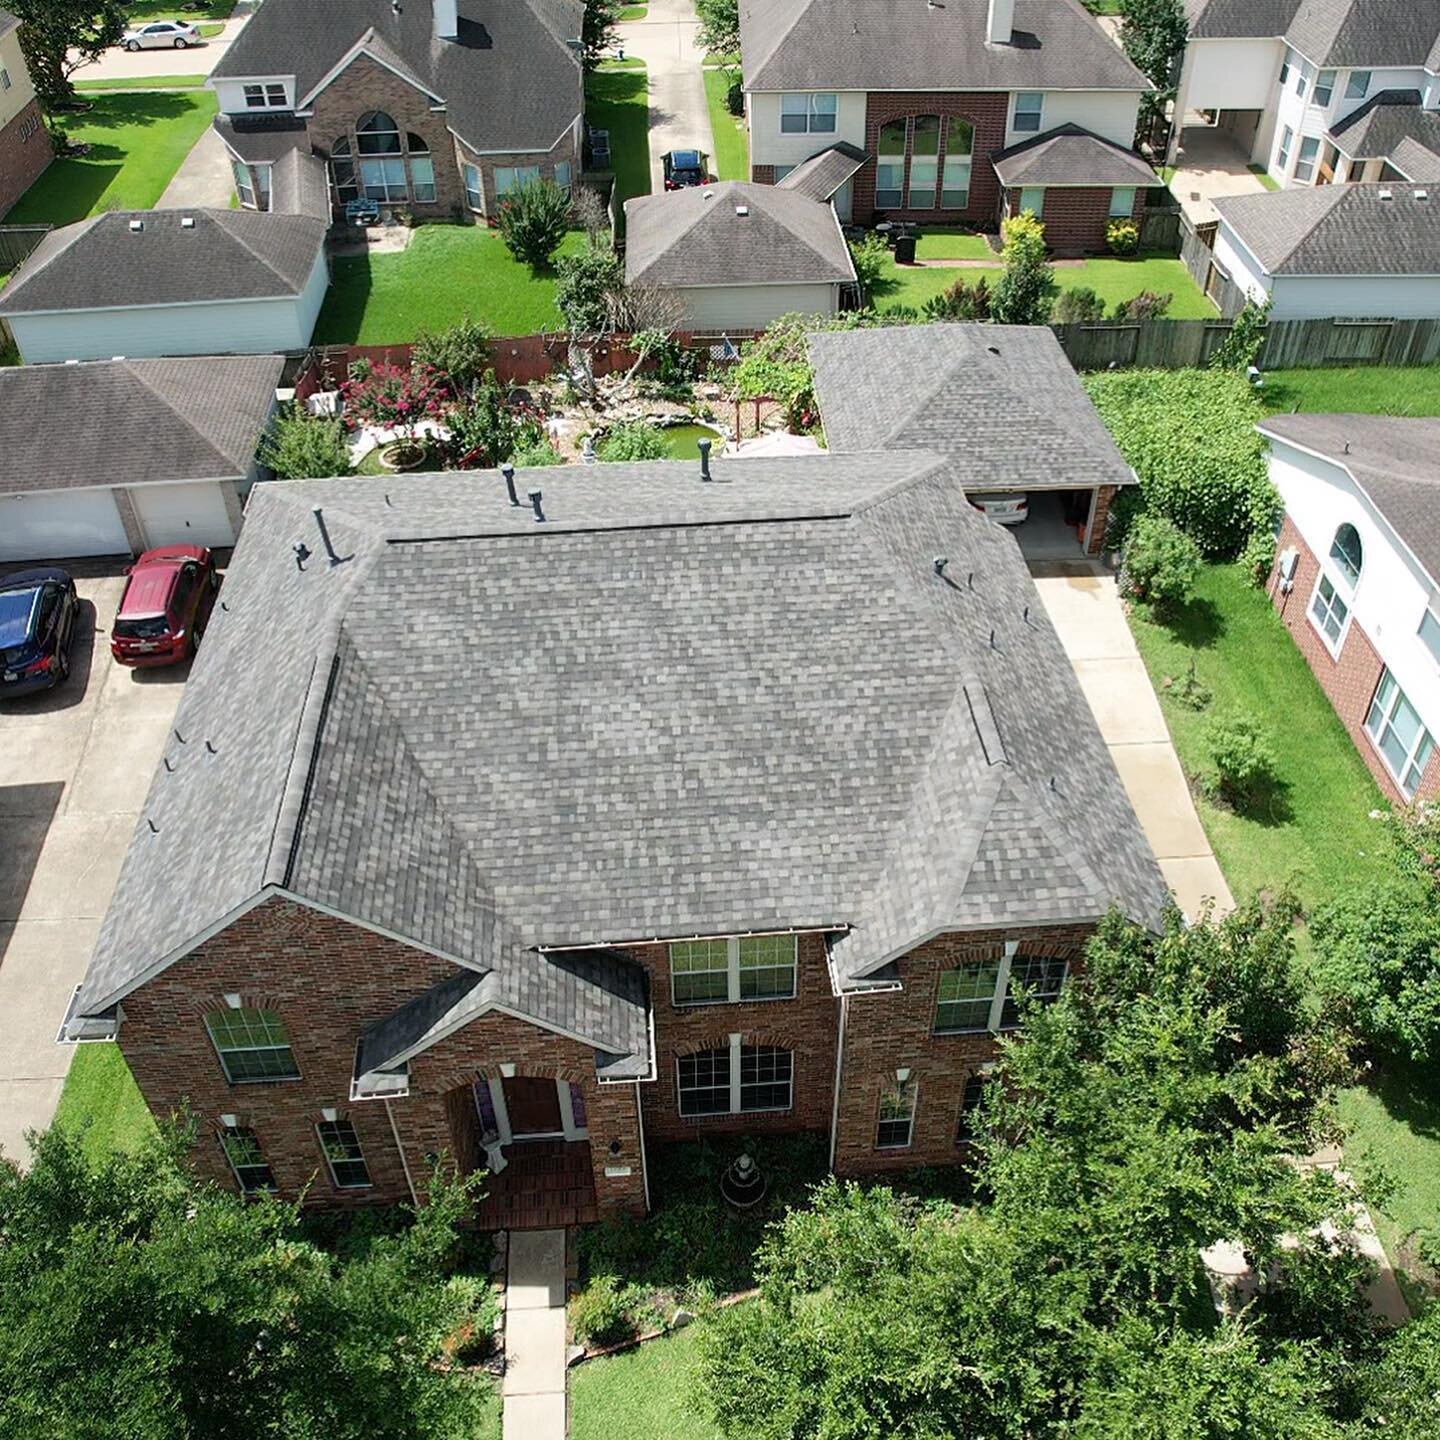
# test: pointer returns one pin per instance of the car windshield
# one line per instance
(17, 621)
(686, 160)
(144, 627)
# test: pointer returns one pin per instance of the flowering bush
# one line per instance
(391, 398)
(1123, 237)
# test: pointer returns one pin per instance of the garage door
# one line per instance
(56, 524)
(183, 514)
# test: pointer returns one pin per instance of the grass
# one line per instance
(102, 1099)
(448, 272)
(147, 10)
(1365, 389)
(645, 1394)
(732, 144)
(953, 245)
(137, 144)
(1263, 176)
(145, 82)
(1104, 7)
(634, 12)
(618, 100)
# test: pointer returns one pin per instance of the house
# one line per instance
(932, 93)
(1299, 84)
(738, 255)
(1337, 250)
(681, 801)
(130, 454)
(25, 148)
(1001, 401)
(169, 282)
(439, 106)
(1357, 580)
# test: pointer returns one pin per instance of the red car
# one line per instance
(166, 604)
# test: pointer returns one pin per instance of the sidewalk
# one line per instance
(533, 1390)
(203, 179)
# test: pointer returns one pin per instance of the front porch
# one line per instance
(545, 1184)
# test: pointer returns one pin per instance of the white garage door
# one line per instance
(183, 514)
(56, 524)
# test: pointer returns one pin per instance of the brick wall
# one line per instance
(546, 160)
(1076, 217)
(763, 174)
(1100, 521)
(25, 151)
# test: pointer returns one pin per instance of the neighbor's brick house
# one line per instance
(697, 810)
(25, 148)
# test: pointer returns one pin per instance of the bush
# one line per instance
(1161, 563)
(533, 220)
(301, 446)
(872, 260)
(591, 284)
(483, 430)
(1025, 291)
(1241, 347)
(1242, 757)
(1191, 437)
(1123, 237)
(735, 96)
(538, 452)
(633, 440)
(1147, 305)
(1078, 305)
(599, 1314)
(960, 302)
(459, 354)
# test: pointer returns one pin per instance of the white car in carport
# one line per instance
(162, 35)
(1004, 508)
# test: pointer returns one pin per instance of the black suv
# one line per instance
(684, 168)
(37, 625)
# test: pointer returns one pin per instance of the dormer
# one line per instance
(255, 94)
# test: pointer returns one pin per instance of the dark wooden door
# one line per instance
(534, 1106)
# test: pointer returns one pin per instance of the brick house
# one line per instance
(1356, 581)
(709, 804)
(440, 106)
(25, 148)
(936, 96)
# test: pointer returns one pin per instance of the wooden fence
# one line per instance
(17, 241)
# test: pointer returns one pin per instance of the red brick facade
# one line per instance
(1100, 518)
(25, 151)
(1076, 216)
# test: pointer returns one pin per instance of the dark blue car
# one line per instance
(37, 624)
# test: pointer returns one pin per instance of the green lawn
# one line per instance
(137, 144)
(732, 145)
(634, 12)
(448, 272)
(101, 1097)
(953, 245)
(642, 1395)
(1263, 176)
(147, 10)
(1366, 389)
(146, 82)
(618, 100)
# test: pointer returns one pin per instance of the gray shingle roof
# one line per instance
(7, 22)
(698, 236)
(908, 45)
(133, 422)
(1394, 126)
(1071, 155)
(1236, 19)
(822, 175)
(1396, 462)
(299, 186)
(1339, 33)
(1001, 401)
(720, 703)
(1338, 229)
(509, 81)
(264, 136)
(223, 255)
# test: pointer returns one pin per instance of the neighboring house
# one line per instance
(439, 107)
(25, 148)
(169, 282)
(1357, 580)
(1339, 250)
(932, 94)
(759, 819)
(119, 456)
(738, 255)
(1001, 401)
(1298, 82)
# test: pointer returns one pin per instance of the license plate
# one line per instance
(147, 645)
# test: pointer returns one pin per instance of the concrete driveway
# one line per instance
(201, 59)
(1208, 164)
(1085, 608)
(75, 765)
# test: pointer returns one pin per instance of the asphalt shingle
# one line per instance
(1339, 33)
(1071, 155)
(822, 175)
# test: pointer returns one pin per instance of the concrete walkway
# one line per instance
(533, 1390)
(679, 115)
(1085, 608)
(204, 177)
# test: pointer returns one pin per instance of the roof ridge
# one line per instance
(131, 370)
(790, 229)
(702, 213)
(222, 219)
(944, 378)
(784, 34)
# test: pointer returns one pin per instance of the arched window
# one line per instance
(422, 167)
(1348, 554)
(252, 1045)
(378, 134)
(955, 181)
(924, 162)
(890, 166)
(342, 170)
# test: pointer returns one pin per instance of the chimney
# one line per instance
(447, 19)
(1001, 25)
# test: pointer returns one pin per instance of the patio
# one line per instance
(1209, 163)
(547, 1183)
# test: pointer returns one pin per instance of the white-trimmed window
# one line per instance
(924, 162)
(890, 166)
(808, 114)
(252, 1045)
(955, 175)
(746, 967)
(341, 1147)
(1301, 80)
(1032, 200)
(1040, 977)
(1358, 85)
(970, 1103)
(1309, 153)
(1287, 140)
(895, 1125)
(981, 994)
(1429, 632)
(244, 184)
(269, 96)
(512, 177)
(422, 169)
(1122, 202)
(474, 187)
(1348, 554)
(1329, 613)
(562, 175)
(1029, 109)
(1324, 89)
(1402, 740)
(246, 1160)
(740, 1079)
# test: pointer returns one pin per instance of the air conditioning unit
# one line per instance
(1287, 565)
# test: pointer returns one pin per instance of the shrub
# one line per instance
(1241, 347)
(961, 302)
(459, 354)
(1191, 437)
(776, 365)
(599, 1314)
(301, 446)
(533, 220)
(1079, 304)
(538, 452)
(590, 285)
(1123, 237)
(1242, 757)
(1147, 305)
(1161, 563)
(872, 260)
(633, 440)
(735, 96)
(483, 430)
(392, 398)
(1025, 291)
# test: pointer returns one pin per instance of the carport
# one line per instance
(1057, 525)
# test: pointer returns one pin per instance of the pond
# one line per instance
(680, 440)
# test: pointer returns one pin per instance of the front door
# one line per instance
(534, 1107)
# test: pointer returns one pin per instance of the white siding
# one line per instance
(1318, 297)
(752, 307)
(231, 93)
(769, 146)
(1240, 265)
(1231, 74)
(1108, 113)
(58, 524)
(184, 514)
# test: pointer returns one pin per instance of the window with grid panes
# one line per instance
(246, 1160)
(699, 971)
(1040, 976)
(896, 1125)
(966, 995)
(766, 1075)
(252, 1045)
(704, 1083)
(343, 1154)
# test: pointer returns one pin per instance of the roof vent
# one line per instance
(742, 209)
(703, 446)
(536, 497)
(136, 225)
(1422, 194)
(187, 222)
(1387, 194)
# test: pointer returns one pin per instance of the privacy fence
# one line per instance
(17, 241)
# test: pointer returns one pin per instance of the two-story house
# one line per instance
(965, 112)
(25, 148)
(437, 106)
(536, 819)
(1317, 91)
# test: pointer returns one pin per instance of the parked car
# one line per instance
(166, 606)
(37, 627)
(1004, 509)
(684, 168)
(162, 35)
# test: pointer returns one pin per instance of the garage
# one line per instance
(181, 514)
(1047, 524)
(46, 525)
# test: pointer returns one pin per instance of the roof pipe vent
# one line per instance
(187, 222)
(535, 498)
(742, 209)
(1000, 28)
(329, 544)
(704, 447)
(508, 471)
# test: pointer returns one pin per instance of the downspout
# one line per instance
(839, 1066)
(404, 1163)
(644, 1164)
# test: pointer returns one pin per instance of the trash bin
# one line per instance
(904, 249)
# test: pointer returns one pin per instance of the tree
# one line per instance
(138, 1303)
(59, 36)
(589, 289)
(1241, 347)
(871, 257)
(459, 354)
(597, 31)
(719, 25)
(1025, 291)
(484, 428)
(390, 397)
(533, 220)
(1154, 33)
(300, 446)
